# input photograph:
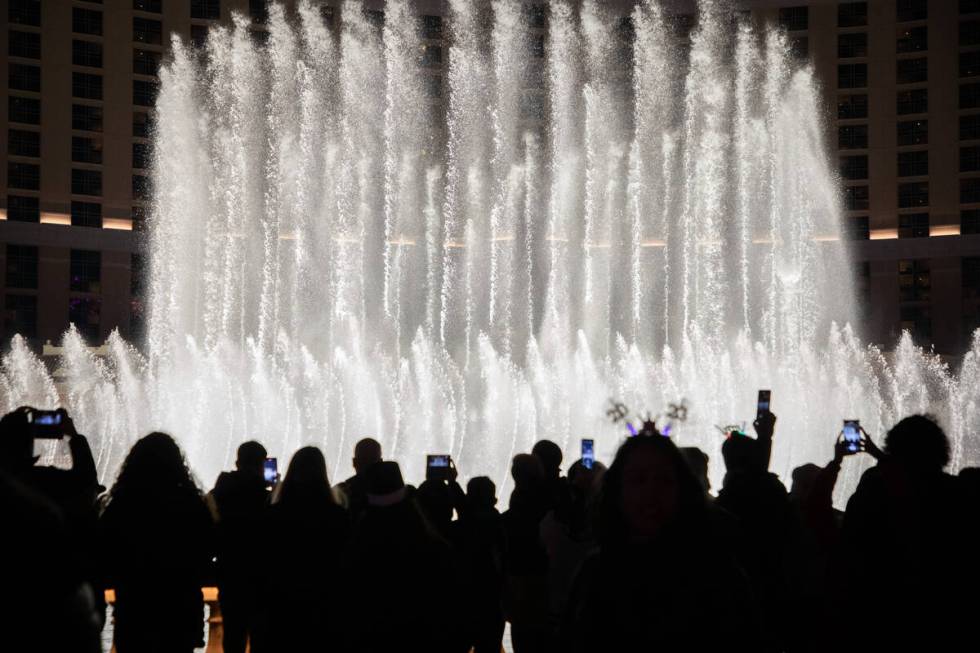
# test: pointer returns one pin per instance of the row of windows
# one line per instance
(908, 132)
(910, 164)
(20, 316)
(85, 269)
(84, 117)
(913, 194)
(27, 209)
(27, 176)
(850, 107)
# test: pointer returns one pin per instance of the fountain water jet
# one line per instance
(337, 253)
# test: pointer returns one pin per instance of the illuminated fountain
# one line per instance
(336, 253)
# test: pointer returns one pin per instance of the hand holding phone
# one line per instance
(270, 471)
(48, 424)
(851, 436)
(438, 467)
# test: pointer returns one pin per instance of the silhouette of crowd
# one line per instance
(637, 557)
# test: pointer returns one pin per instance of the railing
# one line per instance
(214, 618)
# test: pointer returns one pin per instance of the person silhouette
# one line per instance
(769, 526)
(403, 570)
(908, 535)
(480, 538)
(47, 604)
(525, 597)
(73, 490)
(660, 573)
(240, 499)
(156, 544)
(367, 452)
(305, 535)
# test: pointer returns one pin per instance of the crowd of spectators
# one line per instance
(637, 557)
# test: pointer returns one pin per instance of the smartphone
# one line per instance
(852, 434)
(46, 424)
(270, 471)
(763, 406)
(437, 467)
(588, 452)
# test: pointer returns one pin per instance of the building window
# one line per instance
(141, 187)
(20, 316)
(535, 15)
(856, 198)
(917, 321)
(86, 270)
(852, 75)
(914, 280)
(199, 35)
(86, 53)
(86, 182)
(149, 6)
(913, 164)
(24, 109)
(970, 64)
(86, 214)
(970, 32)
(852, 14)
(23, 143)
(433, 86)
(970, 128)
(857, 228)
(913, 194)
(970, 159)
(24, 44)
(912, 39)
(914, 101)
(141, 124)
(141, 155)
(21, 266)
(852, 137)
(854, 167)
(969, 6)
(970, 221)
(21, 77)
(144, 93)
(431, 56)
(83, 312)
(969, 96)
(86, 86)
(907, 10)
(913, 225)
(431, 27)
(23, 175)
(23, 209)
(852, 106)
(86, 118)
(912, 71)
(970, 191)
(850, 46)
(206, 9)
(86, 150)
(913, 132)
(24, 12)
(146, 62)
(258, 10)
(86, 21)
(146, 30)
(794, 19)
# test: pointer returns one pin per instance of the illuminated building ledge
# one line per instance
(64, 220)
(934, 231)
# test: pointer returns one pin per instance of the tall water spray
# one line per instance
(344, 243)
